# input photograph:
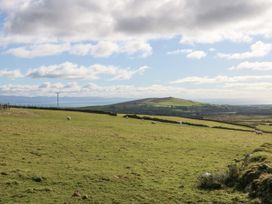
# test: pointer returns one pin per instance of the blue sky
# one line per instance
(198, 49)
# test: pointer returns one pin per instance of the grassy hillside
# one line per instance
(262, 122)
(185, 108)
(205, 122)
(45, 158)
(153, 106)
(160, 102)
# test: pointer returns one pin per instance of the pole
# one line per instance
(58, 93)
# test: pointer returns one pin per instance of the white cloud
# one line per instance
(250, 86)
(180, 51)
(190, 54)
(18, 89)
(196, 21)
(10, 73)
(197, 55)
(100, 49)
(72, 71)
(257, 66)
(222, 79)
(6, 40)
(48, 87)
(136, 46)
(212, 49)
(39, 50)
(258, 49)
(44, 89)
(90, 89)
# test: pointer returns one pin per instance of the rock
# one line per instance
(76, 194)
(37, 178)
(85, 197)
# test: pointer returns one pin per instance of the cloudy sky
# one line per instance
(195, 49)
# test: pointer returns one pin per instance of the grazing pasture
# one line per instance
(205, 122)
(44, 158)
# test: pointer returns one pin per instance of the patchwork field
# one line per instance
(44, 158)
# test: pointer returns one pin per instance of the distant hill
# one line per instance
(180, 107)
(160, 102)
(153, 106)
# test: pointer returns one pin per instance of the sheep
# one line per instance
(206, 174)
(69, 118)
(180, 122)
(258, 132)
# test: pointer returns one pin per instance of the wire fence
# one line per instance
(5, 106)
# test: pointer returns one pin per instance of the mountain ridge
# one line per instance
(160, 102)
(172, 106)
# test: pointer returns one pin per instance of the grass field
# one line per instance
(204, 122)
(147, 104)
(44, 158)
(253, 120)
(166, 102)
(262, 122)
(265, 127)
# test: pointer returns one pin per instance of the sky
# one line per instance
(192, 49)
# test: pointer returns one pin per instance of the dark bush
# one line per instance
(232, 175)
(209, 181)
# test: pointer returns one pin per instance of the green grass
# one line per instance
(168, 102)
(204, 122)
(252, 120)
(44, 158)
(159, 102)
(265, 127)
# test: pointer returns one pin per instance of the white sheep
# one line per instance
(258, 132)
(69, 118)
(206, 174)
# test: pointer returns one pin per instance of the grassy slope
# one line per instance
(165, 102)
(265, 127)
(155, 102)
(113, 160)
(258, 121)
(253, 120)
(204, 122)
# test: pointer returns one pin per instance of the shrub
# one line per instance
(232, 175)
(262, 188)
(210, 181)
(251, 173)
